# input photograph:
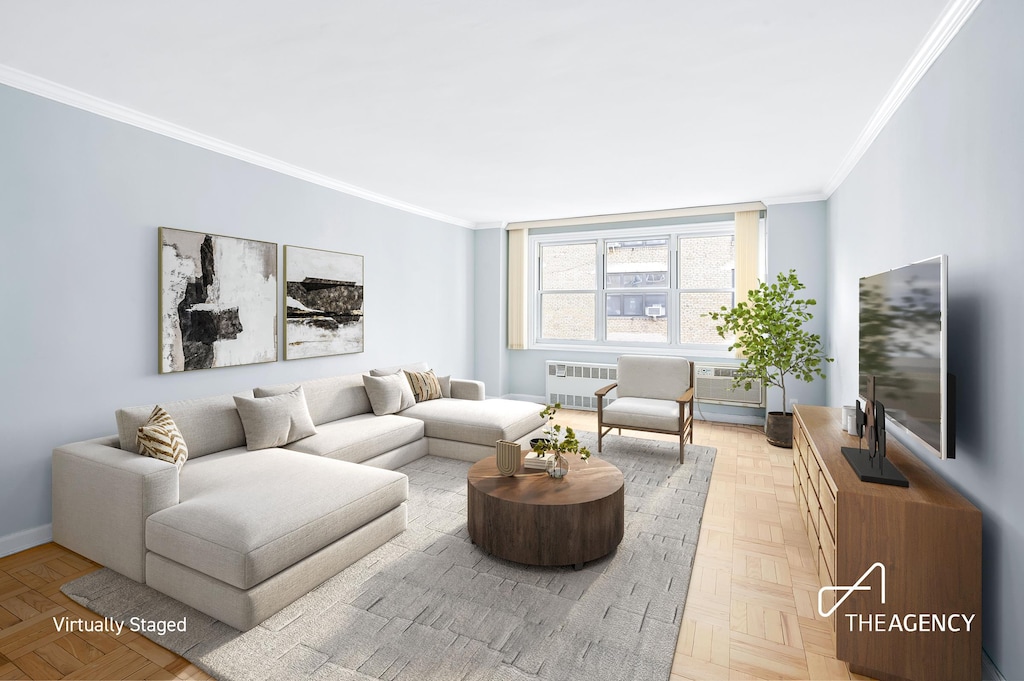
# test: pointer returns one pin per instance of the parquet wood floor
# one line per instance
(749, 611)
(32, 648)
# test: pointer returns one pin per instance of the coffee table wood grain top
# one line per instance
(535, 519)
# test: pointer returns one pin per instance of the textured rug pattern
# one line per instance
(431, 605)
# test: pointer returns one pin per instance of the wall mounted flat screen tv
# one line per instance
(903, 315)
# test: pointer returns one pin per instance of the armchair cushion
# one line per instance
(659, 378)
(642, 412)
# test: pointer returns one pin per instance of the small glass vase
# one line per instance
(560, 468)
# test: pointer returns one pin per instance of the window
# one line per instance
(632, 265)
(633, 287)
(707, 281)
(567, 283)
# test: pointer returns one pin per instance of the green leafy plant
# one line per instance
(768, 331)
(557, 441)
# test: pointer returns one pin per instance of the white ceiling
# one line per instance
(499, 111)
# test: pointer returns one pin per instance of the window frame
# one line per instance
(600, 238)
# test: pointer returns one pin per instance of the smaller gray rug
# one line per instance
(431, 605)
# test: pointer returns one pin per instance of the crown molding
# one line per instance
(799, 198)
(101, 107)
(945, 28)
(641, 215)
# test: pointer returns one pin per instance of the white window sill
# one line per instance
(689, 353)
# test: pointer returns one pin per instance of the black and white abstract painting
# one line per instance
(218, 301)
(323, 303)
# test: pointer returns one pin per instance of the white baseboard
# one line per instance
(539, 399)
(738, 419)
(26, 539)
(989, 672)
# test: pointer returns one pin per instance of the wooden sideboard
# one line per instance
(927, 536)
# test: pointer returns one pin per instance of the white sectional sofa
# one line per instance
(240, 534)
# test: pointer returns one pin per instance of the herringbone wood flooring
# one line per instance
(749, 612)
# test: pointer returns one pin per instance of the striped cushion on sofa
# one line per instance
(425, 385)
(160, 438)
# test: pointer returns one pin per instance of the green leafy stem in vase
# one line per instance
(557, 441)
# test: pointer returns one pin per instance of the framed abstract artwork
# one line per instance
(218, 301)
(323, 303)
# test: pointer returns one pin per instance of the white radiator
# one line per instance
(573, 385)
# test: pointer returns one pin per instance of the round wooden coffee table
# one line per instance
(535, 519)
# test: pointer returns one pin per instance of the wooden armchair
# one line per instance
(655, 394)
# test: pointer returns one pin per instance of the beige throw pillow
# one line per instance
(408, 398)
(275, 421)
(160, 438)
(387, 393)
(425, 385)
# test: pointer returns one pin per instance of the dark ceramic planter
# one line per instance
(780, 429)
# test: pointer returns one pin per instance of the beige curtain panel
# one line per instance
(746, 252)
(518, 288)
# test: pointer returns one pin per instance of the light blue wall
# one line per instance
(81, 198)
(796, 240)
(491, 305)
(946, 175)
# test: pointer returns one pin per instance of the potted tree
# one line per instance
(768, 331)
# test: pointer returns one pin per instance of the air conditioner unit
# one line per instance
(655, 311)
(713, 385)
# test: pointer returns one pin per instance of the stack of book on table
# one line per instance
(539, 461)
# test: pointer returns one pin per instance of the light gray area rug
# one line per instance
(431, 605)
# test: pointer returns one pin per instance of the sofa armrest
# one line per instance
(464, 389)
(102, 496)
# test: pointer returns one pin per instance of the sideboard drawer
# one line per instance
(828, 508)
(828, 549)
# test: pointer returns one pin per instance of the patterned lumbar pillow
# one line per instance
(160, 439)
(424, 385)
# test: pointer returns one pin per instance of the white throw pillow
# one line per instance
(446, 385)
(275, 421)
(387, 393)
(408, 398)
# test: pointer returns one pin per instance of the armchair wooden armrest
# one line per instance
(687, 396)
(601, 392)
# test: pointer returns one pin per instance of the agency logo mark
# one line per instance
(848, 590)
